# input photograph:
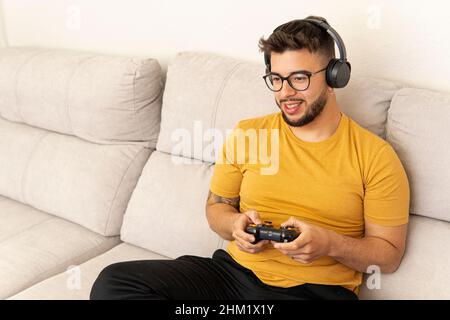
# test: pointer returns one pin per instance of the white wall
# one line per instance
(401, 40)
(3, 40)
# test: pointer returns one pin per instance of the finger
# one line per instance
(242, 244)
(250, 245)
(297, 244)
(244, 236)
(240, 247)
(289, 246)
(293, 222)
(284, 246)
(242, 222)
(261, 244)
(254, 216)
(247, 247)
(246, 244)
(289, 222)
(279, 247)
(303, 252)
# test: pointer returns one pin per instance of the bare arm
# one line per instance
(225, 219)
(381, 246)
(221, 213)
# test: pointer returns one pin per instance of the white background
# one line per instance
(405, 41)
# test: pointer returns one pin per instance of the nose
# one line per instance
(287, 90)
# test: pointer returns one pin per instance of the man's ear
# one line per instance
(330, 90)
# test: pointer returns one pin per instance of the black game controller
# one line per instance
(266, 231)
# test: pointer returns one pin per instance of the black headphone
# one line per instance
(338, 70)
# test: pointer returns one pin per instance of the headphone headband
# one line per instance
(333, 33)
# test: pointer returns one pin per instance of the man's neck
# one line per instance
(323, 126)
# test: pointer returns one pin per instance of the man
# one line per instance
(342, 187)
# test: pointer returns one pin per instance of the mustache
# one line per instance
(292, 100)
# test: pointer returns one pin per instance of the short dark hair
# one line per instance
(299, 34)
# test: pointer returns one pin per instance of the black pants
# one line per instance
(197, 278)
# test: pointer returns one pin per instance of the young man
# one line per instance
(341, 186)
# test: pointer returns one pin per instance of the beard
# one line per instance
(316, 108)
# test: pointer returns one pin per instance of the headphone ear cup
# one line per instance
(338, 73)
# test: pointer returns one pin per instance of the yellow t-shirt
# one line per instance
(337, 184)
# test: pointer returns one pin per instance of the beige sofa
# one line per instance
(82, 187)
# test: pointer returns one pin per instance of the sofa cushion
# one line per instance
(166, 213)
(423, 273)
(100, 98)
(76, 282)
(419, 131)
(366, 100)
(83, 182)
(35, 245)
(206, 95)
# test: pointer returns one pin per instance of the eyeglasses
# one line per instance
(298, 80)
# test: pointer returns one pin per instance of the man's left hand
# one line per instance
(312, 243)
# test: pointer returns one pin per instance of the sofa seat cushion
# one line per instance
(423, 273)
(35, 245)
(76, 283)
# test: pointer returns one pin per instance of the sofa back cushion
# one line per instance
(367, 100)
(75, 132)
(205, 95)
(418, 129)
(100, 98)
(423, 273)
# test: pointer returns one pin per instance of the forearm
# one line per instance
(221, 217)
(359, 254)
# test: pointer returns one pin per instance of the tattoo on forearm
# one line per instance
(214, 198)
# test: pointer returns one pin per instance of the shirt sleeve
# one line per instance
(227, 176)
(387, 194)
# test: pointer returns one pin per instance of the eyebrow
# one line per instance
(298, 71)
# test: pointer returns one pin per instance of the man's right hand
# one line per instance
(243, 239)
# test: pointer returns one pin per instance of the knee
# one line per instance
(106, 286)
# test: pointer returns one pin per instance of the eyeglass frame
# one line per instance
(307, 73)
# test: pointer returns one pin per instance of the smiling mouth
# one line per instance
(293, 107)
